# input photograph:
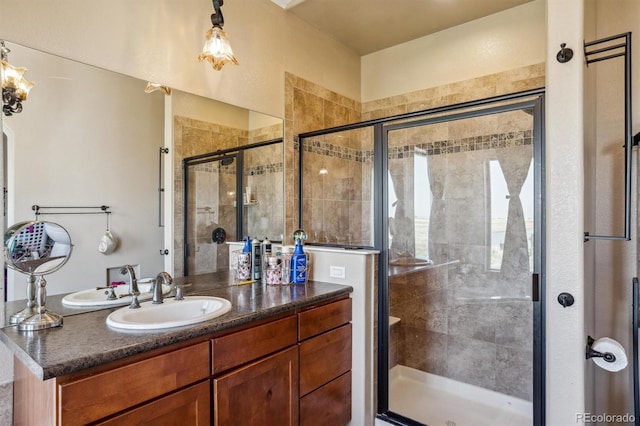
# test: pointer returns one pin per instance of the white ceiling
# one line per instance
(371, 25)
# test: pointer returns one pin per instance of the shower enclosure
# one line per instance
(452, 199)
(228, 195)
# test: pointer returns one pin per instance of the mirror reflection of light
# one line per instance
(324, 171)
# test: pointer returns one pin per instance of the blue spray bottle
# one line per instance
(247, 245)
(298, 264)
(243, 267)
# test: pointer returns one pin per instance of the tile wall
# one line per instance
(308, 107)
(193, 137)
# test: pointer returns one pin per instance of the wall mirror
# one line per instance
(89, 137)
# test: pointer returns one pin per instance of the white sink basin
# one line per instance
(171, 313)
(93, 297)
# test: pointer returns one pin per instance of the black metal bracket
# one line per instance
(566, 299)
(565, 54)
(591, 353)
(160, 188)
(217, 20)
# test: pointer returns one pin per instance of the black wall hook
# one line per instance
(565, 54)
(565, 299)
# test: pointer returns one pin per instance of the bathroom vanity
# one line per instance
(281, 356)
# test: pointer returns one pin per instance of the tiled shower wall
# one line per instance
(441, 329)
(263, 170)
(309, 106)
(338, 175)
(460, 319)
(193, 137)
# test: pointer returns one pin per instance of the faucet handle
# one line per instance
(179, 287)
(110, 291)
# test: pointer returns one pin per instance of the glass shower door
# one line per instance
(210, 214)
(463, 238)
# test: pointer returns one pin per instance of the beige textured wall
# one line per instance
(500, 42)
(564, 173)
(163, 39)
(76, 144)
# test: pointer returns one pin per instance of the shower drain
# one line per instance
(450, 423)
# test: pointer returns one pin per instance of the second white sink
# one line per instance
(171, 313)
(92, 297)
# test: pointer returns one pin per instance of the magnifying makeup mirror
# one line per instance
(36, 248)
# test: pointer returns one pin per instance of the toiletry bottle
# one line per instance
(273, 272)
(247, 245)
(285, 265)
(298, 265)
(256, 268)
(265, 252)
(243, 267)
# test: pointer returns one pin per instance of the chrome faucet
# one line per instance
(158, 296)
(133, 286)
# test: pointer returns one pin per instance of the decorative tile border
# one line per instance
(262, 169)
(475, 143)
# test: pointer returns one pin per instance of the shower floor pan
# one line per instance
(439, 401)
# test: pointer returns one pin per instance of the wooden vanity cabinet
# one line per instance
(325, 364)
(295, 369)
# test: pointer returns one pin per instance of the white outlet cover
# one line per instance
(337, 271)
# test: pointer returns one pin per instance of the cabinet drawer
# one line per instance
(323, 318)
(328, 405)
(324, 358)
(94, 397)
(190, 406)
(239, 348)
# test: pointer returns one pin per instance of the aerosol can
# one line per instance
(256, 264)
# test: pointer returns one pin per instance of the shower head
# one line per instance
(226, 161)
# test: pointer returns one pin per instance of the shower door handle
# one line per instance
(535, 287)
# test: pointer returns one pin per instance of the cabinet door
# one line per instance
(262, 393)
(190, 406)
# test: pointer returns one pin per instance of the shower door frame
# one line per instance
(533, 99)
(526, 100)
(238, 154)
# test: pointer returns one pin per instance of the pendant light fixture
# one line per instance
(217, 49)
(15, 87)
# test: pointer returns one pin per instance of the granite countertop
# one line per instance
(84, 340)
